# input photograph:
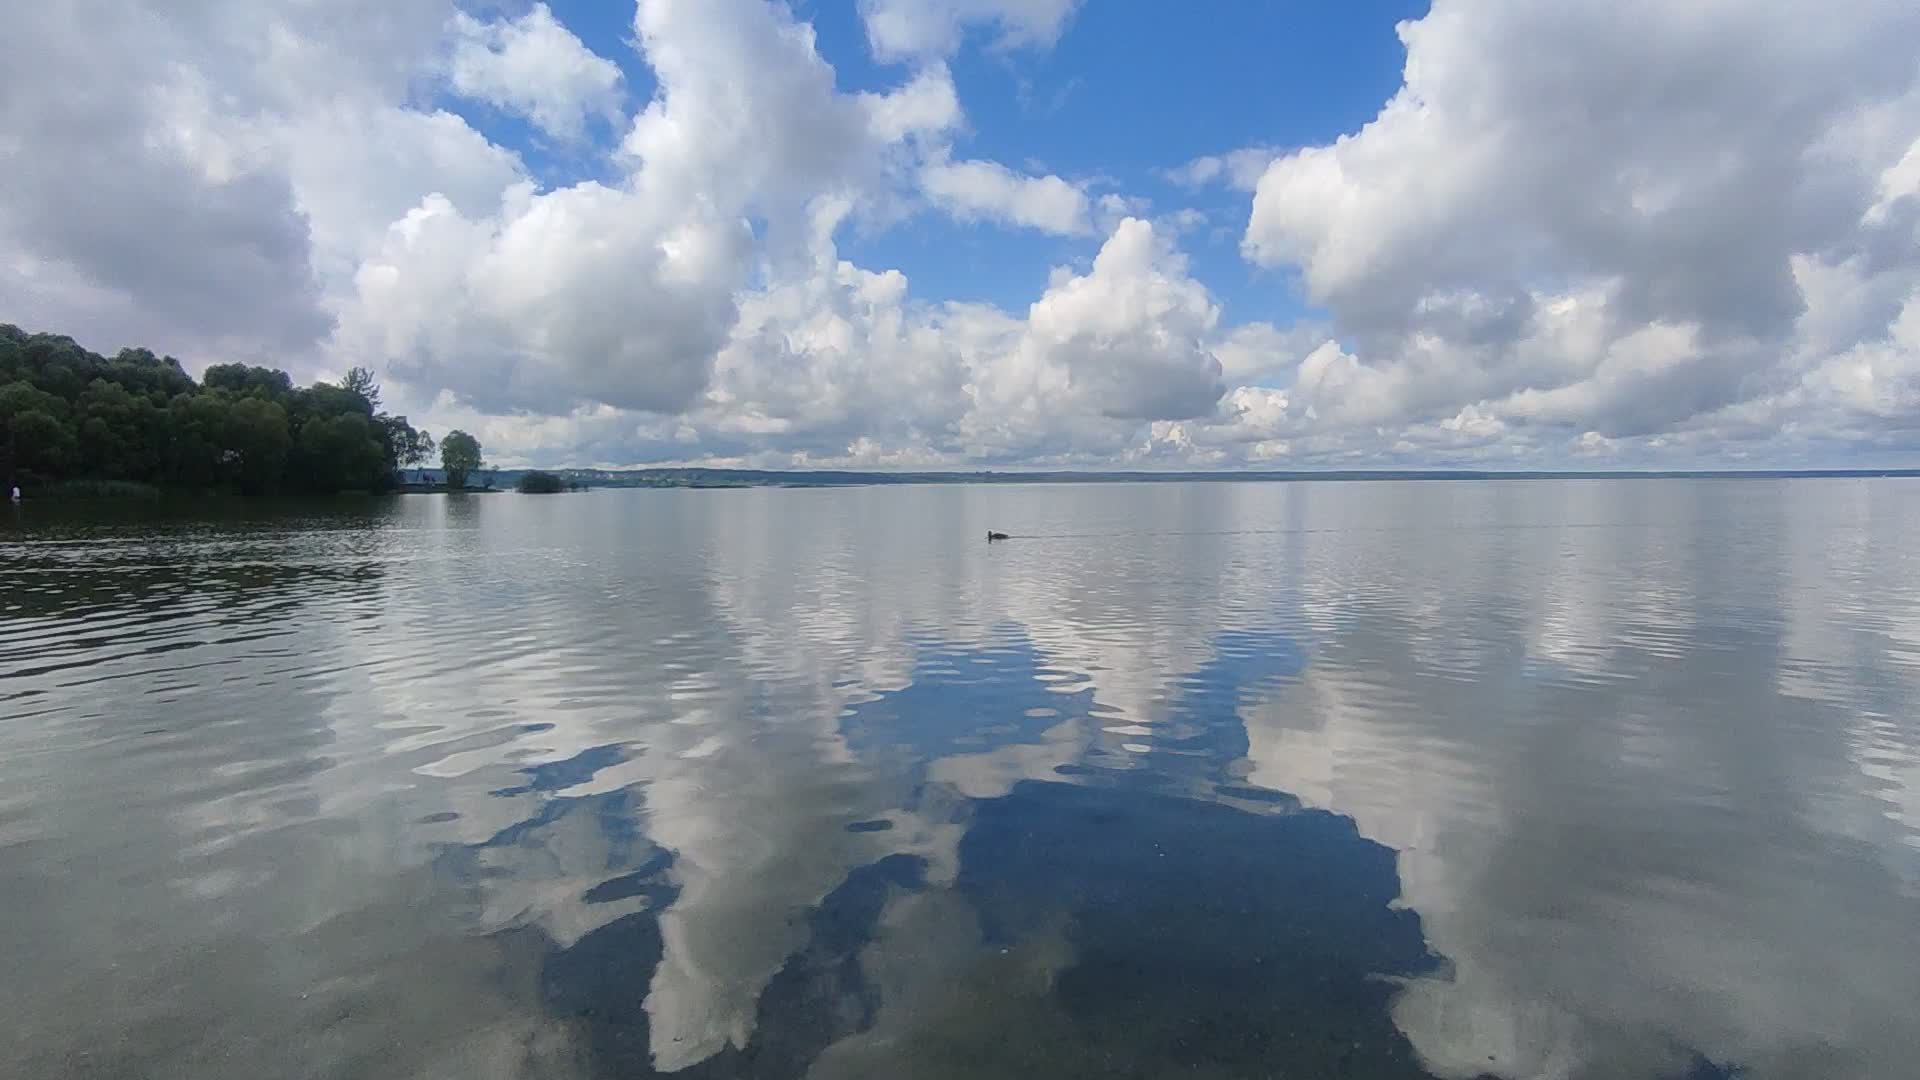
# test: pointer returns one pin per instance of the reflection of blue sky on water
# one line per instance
(1144, 910)
(1173, 933)
(965, 700)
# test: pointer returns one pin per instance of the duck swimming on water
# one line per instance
(992, 536)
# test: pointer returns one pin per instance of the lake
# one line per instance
(1512, 779)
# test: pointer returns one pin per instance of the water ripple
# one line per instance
(1615, 779)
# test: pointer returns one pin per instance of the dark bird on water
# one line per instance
(992, 536)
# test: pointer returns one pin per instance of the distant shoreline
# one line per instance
(440, 489)
(505, 480)
(807, 478)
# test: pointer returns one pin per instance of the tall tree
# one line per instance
(341, 452)
(360, 381)
(254, 381)
(421, 449)
(37, 439)
(459, 455)
(410, 446)
(258, 441)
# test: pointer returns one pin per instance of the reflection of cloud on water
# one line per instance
(979, 719)
(1140, 934)
(756, 845)
(578, 864)
(825, 640)
(937, 988)
(1635, 876)
(830, 781)
(205, 913)
(833, 708)
(1850, 639)
(1090, 929)
(821, 992)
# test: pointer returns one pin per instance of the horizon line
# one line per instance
(1230, 474)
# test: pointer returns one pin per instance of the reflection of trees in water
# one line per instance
(174, 830)
(228, 557)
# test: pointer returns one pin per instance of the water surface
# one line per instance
(1515, 779)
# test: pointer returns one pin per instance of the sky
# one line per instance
(1594, 234)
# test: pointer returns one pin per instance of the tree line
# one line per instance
(69, 417)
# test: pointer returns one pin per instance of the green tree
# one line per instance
(360, 381)
(58, 365)
(21, 396)
(325, 400)
(258, 439)
(143, 374)
(123, 431)
(535, 482)
(196, 448)
(241, 379)
(338, 443)
(67, 414)
(13, 357)
(459, 455)
(41, 444)
(419, 450)
(407, 446)
(342, 452)
(35, 437)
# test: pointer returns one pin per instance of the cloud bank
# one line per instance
(1577, 235)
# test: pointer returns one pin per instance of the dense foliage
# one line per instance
(535, 482)
(459, 455)
(71, 418)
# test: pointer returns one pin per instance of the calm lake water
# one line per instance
(1523, 779)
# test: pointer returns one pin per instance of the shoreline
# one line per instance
(698, 478)
(440, 489)
(738, 479)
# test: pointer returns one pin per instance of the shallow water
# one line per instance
(1522, 779)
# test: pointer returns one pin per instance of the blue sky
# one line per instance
(964, 233)
(1252, 74)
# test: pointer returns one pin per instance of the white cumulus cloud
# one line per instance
(1238, 169)
(536, 68)
(1666, 234)
(985, 190)
(1619, 240)
(902, 29)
